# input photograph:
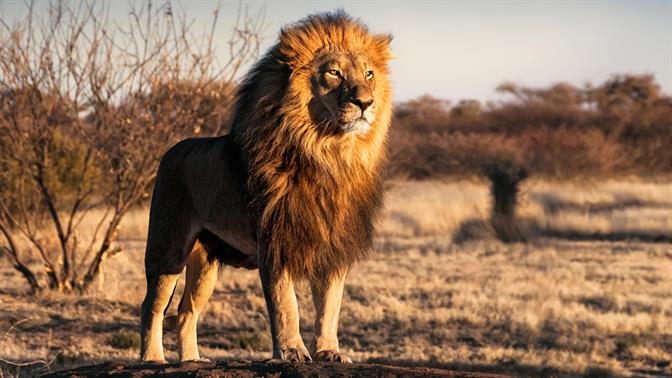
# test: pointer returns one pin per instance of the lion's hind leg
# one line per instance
(169, 242)
(160, 289)
(201, 277)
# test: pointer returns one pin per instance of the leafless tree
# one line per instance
(87, 107)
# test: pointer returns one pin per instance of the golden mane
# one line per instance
(315, 192)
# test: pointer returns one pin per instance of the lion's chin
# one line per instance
(360, 126)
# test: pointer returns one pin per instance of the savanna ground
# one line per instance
(590, 293)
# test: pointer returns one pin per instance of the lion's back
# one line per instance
(203, 178)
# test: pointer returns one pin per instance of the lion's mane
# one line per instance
(314, 192)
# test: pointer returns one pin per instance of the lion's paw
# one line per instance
(332, 356)
(295, 354)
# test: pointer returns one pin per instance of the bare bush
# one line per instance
(87, 109)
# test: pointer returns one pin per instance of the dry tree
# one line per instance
(87, 107)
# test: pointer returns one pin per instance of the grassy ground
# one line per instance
(589, 294)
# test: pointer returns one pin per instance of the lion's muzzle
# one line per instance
(359, 126)
(357, 112)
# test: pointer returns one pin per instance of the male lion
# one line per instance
(291, 191)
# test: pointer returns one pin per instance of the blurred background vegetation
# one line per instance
(619, 128)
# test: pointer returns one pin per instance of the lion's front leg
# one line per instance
(283, 313)
(327, 295)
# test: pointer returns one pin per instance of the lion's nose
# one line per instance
(361, 97)
(362, 103)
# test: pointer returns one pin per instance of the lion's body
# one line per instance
(203, 180)
(292, 190)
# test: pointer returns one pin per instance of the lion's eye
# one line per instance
(334, 72)
(369, 75)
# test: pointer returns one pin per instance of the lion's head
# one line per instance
(343, 86)
(343, 68)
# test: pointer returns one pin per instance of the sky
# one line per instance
(464, 49)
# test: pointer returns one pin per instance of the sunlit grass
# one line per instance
(549, 305)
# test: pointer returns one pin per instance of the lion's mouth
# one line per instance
(350, 121)
(357, 126)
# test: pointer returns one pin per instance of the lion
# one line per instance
(292, 190)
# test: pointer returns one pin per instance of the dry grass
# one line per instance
(567, 305)
(603, 210)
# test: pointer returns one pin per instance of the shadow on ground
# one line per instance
(526, 229)
(553, 204)
(504, 367)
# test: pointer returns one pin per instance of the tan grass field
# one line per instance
(589, 294)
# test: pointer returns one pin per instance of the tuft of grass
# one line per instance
(600, 303)
(473, 229)
(356, 293)
(69, 358)
(124, 340)
(598, 372)
(254, 340)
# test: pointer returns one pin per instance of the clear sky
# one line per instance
(464, 49)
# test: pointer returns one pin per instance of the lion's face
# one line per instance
(344, 96)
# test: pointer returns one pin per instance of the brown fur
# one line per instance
(292, 191)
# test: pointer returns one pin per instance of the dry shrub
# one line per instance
(124, 340)
(473, 229)
(627, 112)
(191, 107)
(87, 108)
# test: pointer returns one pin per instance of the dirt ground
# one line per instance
(437, 292)
(245, 369)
